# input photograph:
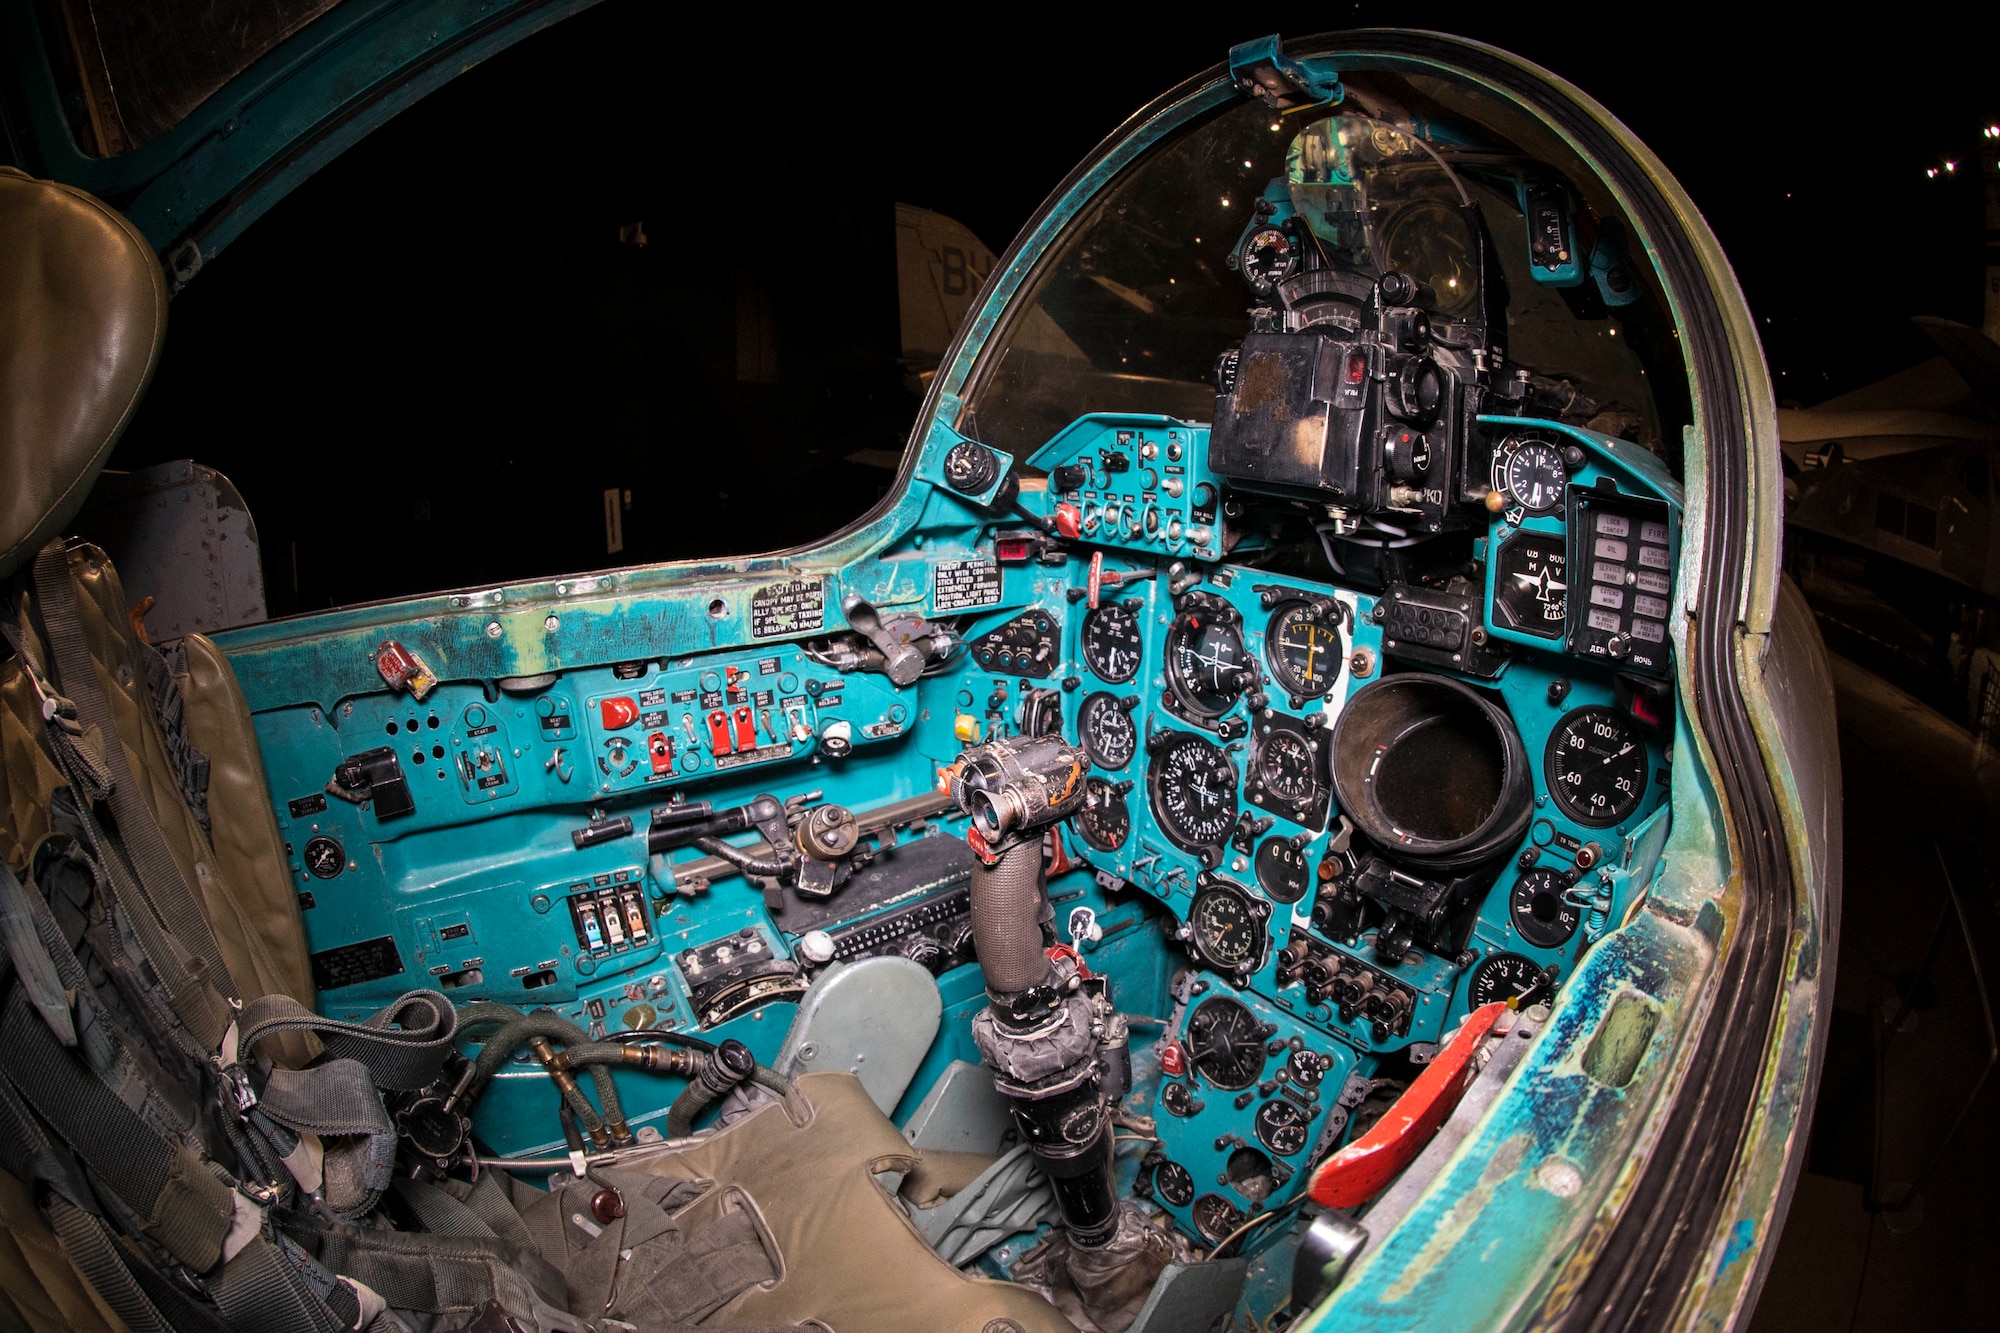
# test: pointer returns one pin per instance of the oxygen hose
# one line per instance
(541, 1027)
(711, 1070)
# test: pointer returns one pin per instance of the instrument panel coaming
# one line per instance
(1208, 696)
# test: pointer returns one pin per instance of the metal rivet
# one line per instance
(492, 629)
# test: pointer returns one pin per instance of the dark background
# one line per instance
(425, 366)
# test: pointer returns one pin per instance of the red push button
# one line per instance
(617, 714)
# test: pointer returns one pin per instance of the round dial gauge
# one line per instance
(1207, 664)
(1215, 1217)
(1193, 788)
(1226, 1043)
(1506, 976)
(1228, 928)
(325, 857)
(1177, 1098)
(1533, 476)
(1105, 723)
(1282, 871)
(1281, 1127)
(1174, 1184)
(1596, 766)
(1111, 645)
(1289, 767)
(1304, 648)
(1309, 1067)
(1103, 822)
(1268, 256)
(1541, 915)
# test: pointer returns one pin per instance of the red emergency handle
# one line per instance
(1361, 1170)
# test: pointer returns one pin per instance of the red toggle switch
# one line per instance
(617, 714)
(1361, 1170)
(746, 727)
(718, 732)
(661, 750)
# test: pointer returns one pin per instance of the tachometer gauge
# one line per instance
(1541, 914)
(1226, 927)
(1112, 648)
(1215, 1217)
(1105, 725)
(1174, 1184)
(1283, 872)
(1531, 584)
(1103, 822)
(1507, 976)
(1267, 257)
(1207, 665)
(1281, 1126)
(1304, 648)
(1596, 766)
(1226, 1043)
(1531, 474)
(1192, 784)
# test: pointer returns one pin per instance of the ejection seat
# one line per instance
(82, 316)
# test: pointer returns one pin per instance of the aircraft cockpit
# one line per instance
(1246, 741)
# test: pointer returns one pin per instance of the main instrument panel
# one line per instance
(1322, 819)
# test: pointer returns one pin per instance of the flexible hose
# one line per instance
(763, 1075)
(1007, 919)
(517, 1028)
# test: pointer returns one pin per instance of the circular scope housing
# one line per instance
(1431, 769)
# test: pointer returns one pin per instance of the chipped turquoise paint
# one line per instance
(1741, 1237)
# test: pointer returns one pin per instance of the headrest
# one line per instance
(83, 309)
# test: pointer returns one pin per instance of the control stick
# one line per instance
(1050, 1025)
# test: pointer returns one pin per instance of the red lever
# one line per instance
(718, 732)
(1361, 1170)
(746, 727)
(1069, 520)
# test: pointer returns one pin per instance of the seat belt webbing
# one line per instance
(159, 875)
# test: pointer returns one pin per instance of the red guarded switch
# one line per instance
(617, 714)
(1173, 1060)
(661, 750)
(746, 727)
(718, 732)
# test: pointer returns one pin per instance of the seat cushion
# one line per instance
(848, 1255)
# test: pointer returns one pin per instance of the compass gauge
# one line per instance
(1193, 788)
